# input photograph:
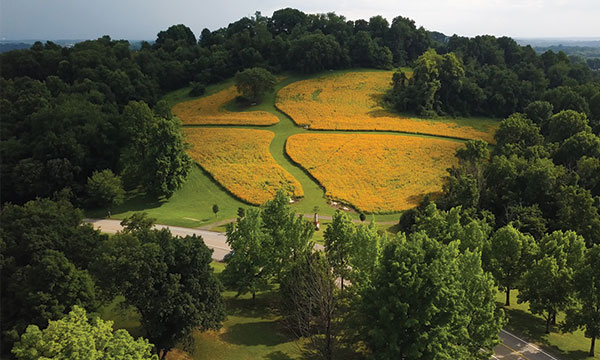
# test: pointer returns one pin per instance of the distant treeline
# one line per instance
(591, 55)
(6, 46)
(64, 107)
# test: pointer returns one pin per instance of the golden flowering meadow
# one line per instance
(351, 101)
(209, 110)
(239, 159)
(374, 173)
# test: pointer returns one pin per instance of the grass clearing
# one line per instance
(240, 160)
(572, 346)
(374, 173)
(353, 101)
(210, 110)
(191, 206)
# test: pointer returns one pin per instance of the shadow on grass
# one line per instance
(263, 307)
(254, 333)
(394, 229)
(135, 202)
(532, 328)
(526, 324)
(278, 355)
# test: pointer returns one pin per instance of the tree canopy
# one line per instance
(168, 280)
(422, 298)
(75, 337)
(254, 82)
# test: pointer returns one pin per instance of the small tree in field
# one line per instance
(254, 82)
(215, 209)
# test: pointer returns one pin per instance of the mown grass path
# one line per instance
(314, 194)
(191, 206)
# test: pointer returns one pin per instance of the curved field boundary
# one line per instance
(209, 110)
(352, 101)
(375, 173)
(240, 160)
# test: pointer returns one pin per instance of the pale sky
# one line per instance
(143, 19)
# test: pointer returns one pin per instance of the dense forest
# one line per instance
(81, 125)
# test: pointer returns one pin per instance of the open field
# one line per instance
(210, 110)
(191, 205)
(239, 159)
(353, 101)
(572, 346)
(375, 173)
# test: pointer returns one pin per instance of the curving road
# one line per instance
(212, 239)
(511, 348)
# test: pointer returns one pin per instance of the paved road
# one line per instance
(515, 348)
(212, 239)
(511, 348)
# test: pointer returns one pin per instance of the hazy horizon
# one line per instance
(142, 20)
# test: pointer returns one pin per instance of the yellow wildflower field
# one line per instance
(352, 101)
(209, 110)
(239, 159)
(375, 173)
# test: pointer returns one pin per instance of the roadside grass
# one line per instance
(251, 331)
(572, 346)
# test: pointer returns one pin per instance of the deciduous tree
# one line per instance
(586, 312)
(338, 240)
(254, 82)
(105, 189)
(168, 279)
(547, 284)
(422, 305)
(510, 254)
(248, 266)
(75, 337)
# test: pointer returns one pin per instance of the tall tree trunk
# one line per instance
(507, 296)
(592, 346)
(254, 297)
(548, 320)
(554, 318)
(328, 350)
(342, 284)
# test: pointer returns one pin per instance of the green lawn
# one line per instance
(251, 330)
(191, 206)
(573, 346)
